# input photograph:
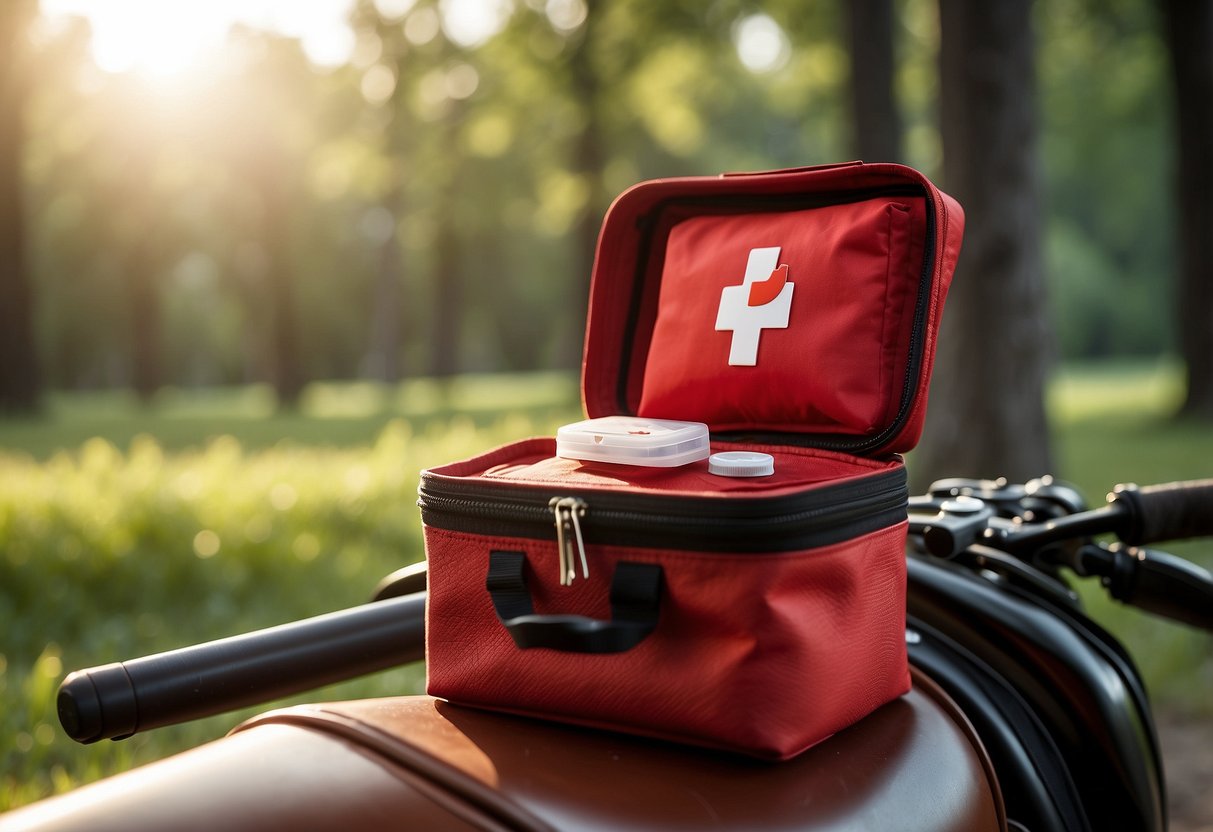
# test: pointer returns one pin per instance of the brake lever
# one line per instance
(1157, 582)
(1007, 568)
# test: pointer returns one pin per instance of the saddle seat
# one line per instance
(415, 762)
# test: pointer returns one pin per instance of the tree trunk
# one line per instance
(875, 119)
(448, 292)
(386, 316)
(449, 313)
(20, 381)
(1189, 27)
(284, 347)
(142, 280)
(987, 414)
(588, 162)
(388, 322)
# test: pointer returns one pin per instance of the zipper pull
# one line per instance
(568, 512)
(561, 511)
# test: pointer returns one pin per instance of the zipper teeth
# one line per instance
(845, 507)
(772, 203)
(914, 359)
(511, 511)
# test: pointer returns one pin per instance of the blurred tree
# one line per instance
(1105, 141)
(287, 368)
(449, 312)
(141, 230)
(1189, 34)
(875, 119)
(588, 162)
(76, 310)
(810, 88)
(386, 316)
(387, 76)
(987, 417)
(266, 156)
(521, 200)
(20, 380)
(372, 181)
(143, 273)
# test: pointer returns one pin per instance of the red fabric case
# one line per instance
(756, 615)
(834, 367)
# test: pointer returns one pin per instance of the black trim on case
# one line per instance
(817, 517)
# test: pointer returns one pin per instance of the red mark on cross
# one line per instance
(765, 291)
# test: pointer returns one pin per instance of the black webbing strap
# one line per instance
(506, 583)
(635, 606)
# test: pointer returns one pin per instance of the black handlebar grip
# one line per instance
(1172, 511)
(116, 700)
(1162, 584)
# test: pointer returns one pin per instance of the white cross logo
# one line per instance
(762, 301)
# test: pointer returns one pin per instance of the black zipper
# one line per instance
(852, 444)
(772, 203)
(818, 517)
(913, 362)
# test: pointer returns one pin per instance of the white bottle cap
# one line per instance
(741, 464)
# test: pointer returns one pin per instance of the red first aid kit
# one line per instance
(755, 609)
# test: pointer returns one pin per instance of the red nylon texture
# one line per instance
(836, 367)
(628, 271)
(533, 463)
(767, 654)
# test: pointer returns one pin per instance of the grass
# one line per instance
(126, 531)
(1114, 424)
(328, 415)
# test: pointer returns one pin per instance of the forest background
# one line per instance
(352, 224)
(412, 190)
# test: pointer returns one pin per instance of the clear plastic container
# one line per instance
(632, 440)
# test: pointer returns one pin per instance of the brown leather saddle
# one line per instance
(415, 762)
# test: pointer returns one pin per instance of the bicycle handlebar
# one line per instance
(116, 700)
(1137, 516)
(1154, 581)
(1172, 511)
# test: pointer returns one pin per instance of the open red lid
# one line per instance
(797, 306)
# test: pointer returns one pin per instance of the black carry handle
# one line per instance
(635, 601)
(117, 700)
(1173, 511)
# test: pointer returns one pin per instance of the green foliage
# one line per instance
(419, 135)
(109, 553)
(1107, 149)
(329, 414)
